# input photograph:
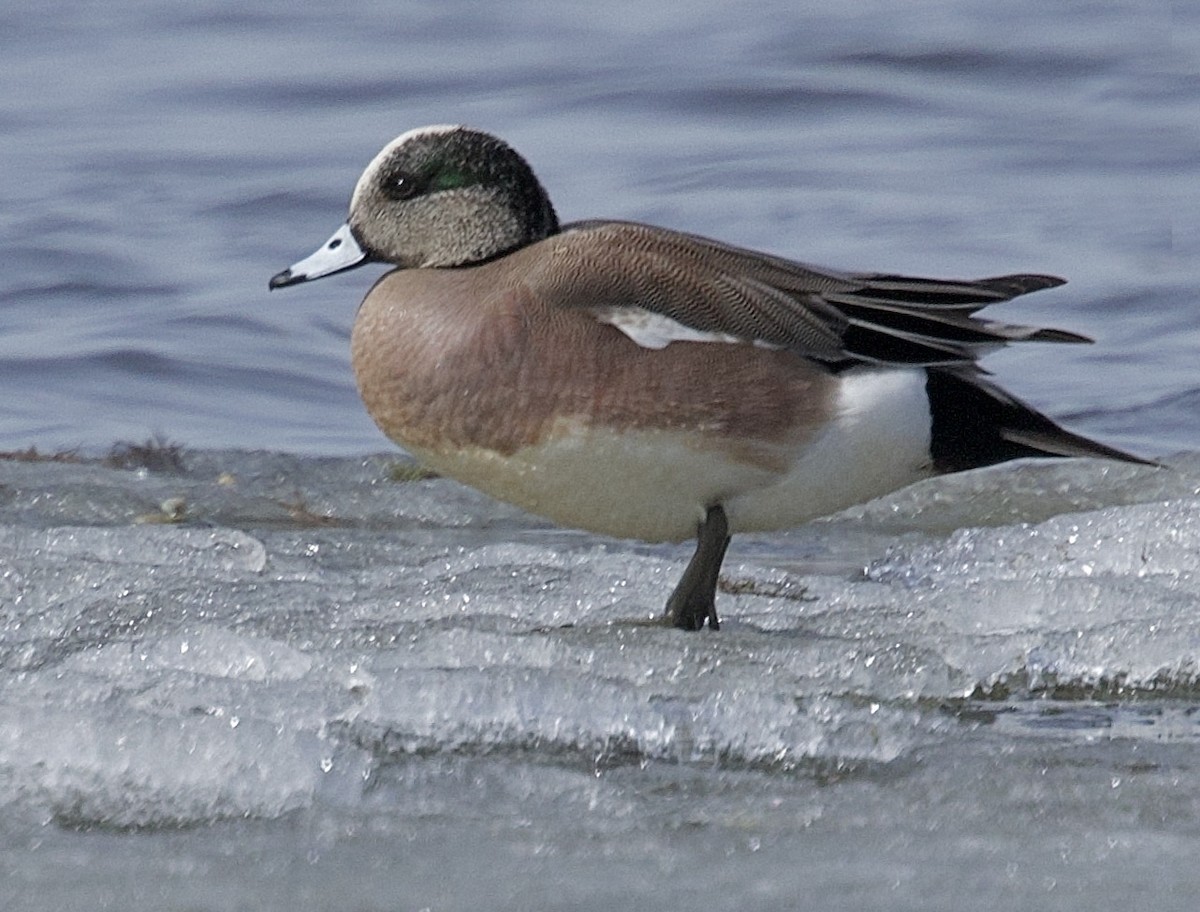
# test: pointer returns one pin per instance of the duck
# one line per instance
(645, 383)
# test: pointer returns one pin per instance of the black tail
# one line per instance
(975, 423)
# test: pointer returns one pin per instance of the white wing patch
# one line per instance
(653, 330)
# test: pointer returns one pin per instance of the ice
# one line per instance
(195, 549)
(115, 766)
(316, 646)
(1107, 597)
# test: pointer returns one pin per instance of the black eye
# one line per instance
(403, 185)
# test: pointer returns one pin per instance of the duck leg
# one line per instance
(694, 600)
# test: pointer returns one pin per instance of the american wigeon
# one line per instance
(644, 383)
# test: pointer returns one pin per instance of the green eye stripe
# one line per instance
(450, 179)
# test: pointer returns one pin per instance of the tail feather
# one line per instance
(975, 423)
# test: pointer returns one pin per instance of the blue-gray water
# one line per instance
(328, 690)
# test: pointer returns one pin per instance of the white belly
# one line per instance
(657, 485)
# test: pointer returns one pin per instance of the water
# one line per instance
(321, 688)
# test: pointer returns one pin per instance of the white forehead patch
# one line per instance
(372, 169)
(434, 130)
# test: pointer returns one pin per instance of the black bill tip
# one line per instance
(284, 279)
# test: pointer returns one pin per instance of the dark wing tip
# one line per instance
(1058, 335)
(1021, 283)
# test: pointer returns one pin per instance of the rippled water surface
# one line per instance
(164, 161)
(231, 680)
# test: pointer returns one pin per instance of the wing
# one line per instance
(669, 285)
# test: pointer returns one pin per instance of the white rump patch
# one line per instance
(653, 330)
(876, 442)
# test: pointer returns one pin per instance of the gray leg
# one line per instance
(694, 600)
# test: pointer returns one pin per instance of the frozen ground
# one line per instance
(252, 681)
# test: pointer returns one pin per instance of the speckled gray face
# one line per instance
(339, 253)
(448, 196)
(441, 196)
